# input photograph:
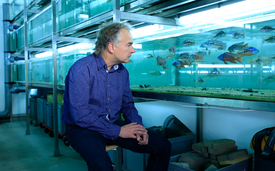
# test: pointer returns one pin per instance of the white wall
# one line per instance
(237, 124)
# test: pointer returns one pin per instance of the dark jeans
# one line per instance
(91, 146)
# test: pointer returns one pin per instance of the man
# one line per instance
(97, 90)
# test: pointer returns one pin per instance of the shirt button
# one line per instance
(109, 110)
(108, 85)
(112, 138)
(108, 98)
(110, 121)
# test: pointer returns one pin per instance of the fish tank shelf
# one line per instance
(266, 95)
(242, 98)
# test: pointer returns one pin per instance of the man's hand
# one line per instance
(142, 139)
(132, 130)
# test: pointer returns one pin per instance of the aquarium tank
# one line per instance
(227, 52)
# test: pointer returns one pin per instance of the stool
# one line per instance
(119, 156)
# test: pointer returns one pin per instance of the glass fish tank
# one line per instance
(230, 56)
(226, 58)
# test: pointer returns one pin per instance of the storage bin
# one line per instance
(33, 108)
(40, 110)
(48, 114)
(137, 162)
(61, 125)
(245, 165)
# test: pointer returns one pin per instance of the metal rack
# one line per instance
(138, 14)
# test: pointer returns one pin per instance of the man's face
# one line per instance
(125, 47)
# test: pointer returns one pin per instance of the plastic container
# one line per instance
(136, 161)
(245, 165)
(40, 110)
(33, 108)
(48, 114)
(61, 125)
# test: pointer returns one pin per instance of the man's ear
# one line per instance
(111, 48)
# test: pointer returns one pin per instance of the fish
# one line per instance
(184, 63)
(237, 35)
(215, 44)
(220, 34)
(260, 60)
(108, 1)
(229, 57)
(237, 47)
(267, 29)
(185, 55)
(177, 64)
(196, 56)
(199, 80)
(148, 56)
(272, 58)
(270, 39)
(269, 79)
(161, 61)
(170, 56)
(172, 49)
(188, 42)
(247, 51)
(154, 73)
(201, 53)
(213, 73)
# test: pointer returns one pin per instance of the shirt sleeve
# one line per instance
(128, 108)
(81, 112)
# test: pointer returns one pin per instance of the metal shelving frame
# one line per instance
(138, 13)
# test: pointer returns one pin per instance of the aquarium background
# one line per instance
(247, 74)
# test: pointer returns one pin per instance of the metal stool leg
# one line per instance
(119, 159)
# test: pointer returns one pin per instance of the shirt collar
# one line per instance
(101, 63)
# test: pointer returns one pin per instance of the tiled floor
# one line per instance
(34, 152)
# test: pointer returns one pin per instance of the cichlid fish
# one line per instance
(213, 73)
(266, 80)
(172, 49)
(148, 56)
(196, 56)
(185, 55)
(270, 39)
(177, 64)
(237, 47)
(154, 73)
(260, 60)
(170, 56)
(188, 42)
(229, 57)
(199, 80)
(161, 61)
(201, 53)
(237, 35)
(247, 51)
(267, 29)
(215, 44)
(220, 34)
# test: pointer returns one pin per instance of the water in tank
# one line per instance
(216, 58)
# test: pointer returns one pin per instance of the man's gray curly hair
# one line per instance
(109, 33)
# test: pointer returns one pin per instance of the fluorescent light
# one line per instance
(137, 46)
(44, 54)
(147, 30)
(229, 12)
(79, 46)
(84, 16)
(222, 66)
